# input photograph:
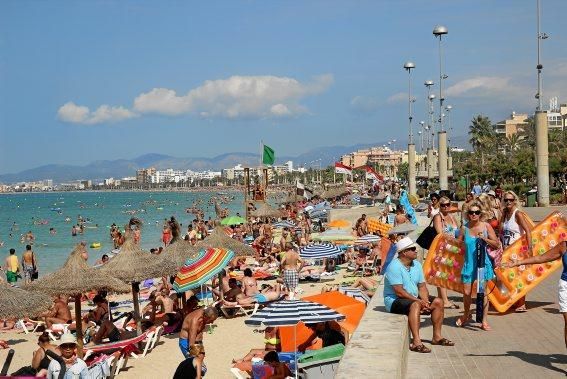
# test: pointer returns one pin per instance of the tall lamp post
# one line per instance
(439, 31)
(431, 135)
(448, 109)
(408, 66)
(541, 128)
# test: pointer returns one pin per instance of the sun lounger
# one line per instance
(244, 310)
(119, 345)
(32, 324)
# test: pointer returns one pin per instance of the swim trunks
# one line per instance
(261, 298)
(291, 279)
(184, 347)
(11, 277)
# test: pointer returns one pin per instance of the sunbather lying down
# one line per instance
(272, 343)
(109, 330)
(268, 294)
(367, 285)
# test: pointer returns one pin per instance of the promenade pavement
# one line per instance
(520, 345)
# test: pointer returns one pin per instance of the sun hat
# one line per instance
(491, 193)
(404, 244)
(67, 338)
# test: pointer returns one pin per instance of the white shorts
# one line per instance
(562, 296)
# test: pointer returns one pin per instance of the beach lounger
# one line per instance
(33, 324)
(120, 345)
(244, 310)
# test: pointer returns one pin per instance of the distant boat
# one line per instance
(222, 193)
(56, 209)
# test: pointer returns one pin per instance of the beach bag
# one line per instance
(427, 236)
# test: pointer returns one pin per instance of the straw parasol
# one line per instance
(265, 210)
(218, 238)
(19, 303)
(74, 278)
(178, 252)
(132, 265)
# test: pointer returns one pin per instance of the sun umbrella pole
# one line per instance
(79, 325)
(135, 299)
(221, 289)
(295, 348)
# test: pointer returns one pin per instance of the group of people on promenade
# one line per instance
(498, 222)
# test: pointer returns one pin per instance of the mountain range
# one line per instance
(119, 168)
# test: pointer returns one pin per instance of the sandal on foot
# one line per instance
(443, 342)
(521, 309)
(420, 349)
(451, 306)
(460, 323)
(484, 326)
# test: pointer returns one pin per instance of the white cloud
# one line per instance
(235, 97)
(398, 98)
(481, 86)
(365, 104)
(78, 114)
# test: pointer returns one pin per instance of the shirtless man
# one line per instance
(28, 264)
(161, 307)
(59, 312)
(267, 295)
(193, 326)
(289, 267)
(401, 217)
(225, 284)
(362, 226)
(249, 284)
(234, 290)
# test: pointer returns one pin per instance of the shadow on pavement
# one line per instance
(542, 360)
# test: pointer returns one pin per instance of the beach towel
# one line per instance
(404, 200)
(291, 279)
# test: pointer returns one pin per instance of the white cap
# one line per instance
(404, 244)
(67, 338)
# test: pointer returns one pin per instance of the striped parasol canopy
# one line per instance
(283, 224)
(197, 271)
(292, 312)
(355, 293)
(319, 251)
(369, 238)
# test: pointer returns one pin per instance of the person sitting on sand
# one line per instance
(193, 326)
(268, 294)
(281, 370)
(40, 360)
(272, 343)
(59, 312)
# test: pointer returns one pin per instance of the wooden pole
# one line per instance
(79, 325)
(135, 293)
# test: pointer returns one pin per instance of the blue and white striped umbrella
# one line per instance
(319, 251)
(369, 238)
(283, 224)
(356, 294)
(292, 312)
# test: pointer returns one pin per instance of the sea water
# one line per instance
(38, 212)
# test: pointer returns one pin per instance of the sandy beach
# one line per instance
(230, 338)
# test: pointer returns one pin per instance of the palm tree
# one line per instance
(482, 135)
(513, 142)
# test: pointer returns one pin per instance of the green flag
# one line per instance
(268, 156)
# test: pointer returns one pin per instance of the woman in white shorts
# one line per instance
(559, 251)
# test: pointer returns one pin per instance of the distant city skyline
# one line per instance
(86, 81)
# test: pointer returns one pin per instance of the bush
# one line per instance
(557, 198)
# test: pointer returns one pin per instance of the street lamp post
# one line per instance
(541, 128)
(408, 66)
(439, 31)
(431, 137)
(449, 108)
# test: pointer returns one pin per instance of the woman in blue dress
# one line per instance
(470, 233)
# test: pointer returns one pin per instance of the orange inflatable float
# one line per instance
(376, 226)
(514, 283)
(442, 267)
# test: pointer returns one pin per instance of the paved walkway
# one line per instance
(521, 345)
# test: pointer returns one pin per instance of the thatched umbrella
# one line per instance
(218, 238)
(132, 265)
(75, 278)
(265, 211)
(19, 303)
(178, 252)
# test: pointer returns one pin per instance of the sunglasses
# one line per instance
(67, 346)
(413, 248)
(509, 200)
(475, 212)
(444, 205)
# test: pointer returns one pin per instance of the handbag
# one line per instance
(426, 237)
(35, 273)
(495, 255)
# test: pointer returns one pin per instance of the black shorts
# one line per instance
(401, 306)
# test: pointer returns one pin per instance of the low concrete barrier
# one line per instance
(379, 346)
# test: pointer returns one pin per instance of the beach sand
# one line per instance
(230, 338)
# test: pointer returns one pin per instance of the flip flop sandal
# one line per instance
(443, 342)
(420, 349)
(520, 310)
(486, 327)
(452, 306)
(460, 323)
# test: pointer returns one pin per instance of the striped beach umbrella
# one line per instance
(197, 271)
(369, 238)
(319, 251)
(355, 293)
(292, 312)
(283, 224)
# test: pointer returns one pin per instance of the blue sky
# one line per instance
(89, 80)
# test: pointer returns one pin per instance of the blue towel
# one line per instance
(404, 200)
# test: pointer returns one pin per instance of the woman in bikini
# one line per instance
(272, 343)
